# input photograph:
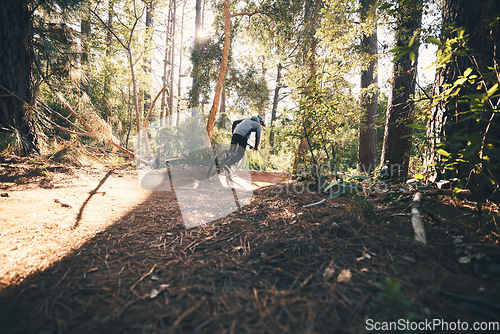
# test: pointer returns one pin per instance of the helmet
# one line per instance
(261, 119)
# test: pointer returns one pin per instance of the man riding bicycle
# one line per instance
(242, 129)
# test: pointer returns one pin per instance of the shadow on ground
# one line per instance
(273, 266)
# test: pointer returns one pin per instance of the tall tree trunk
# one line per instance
(109, 40)
(16, 89)
(135, 98)
(396, 148)
(109, 36)
(222, 108)
(222, 72)
(275, 107)
(85, 30)
(367, 135)
(451, 117)
(195, 89)
(181, 45)
(172, 66)
(150, 7)
(311, 15)
(166, 61)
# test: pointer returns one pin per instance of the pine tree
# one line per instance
(397, 141)
(17, 94)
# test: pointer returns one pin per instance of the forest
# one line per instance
(369, 202)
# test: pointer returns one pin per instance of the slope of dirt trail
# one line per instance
(49, 210)
(46, 214)
(273, 266)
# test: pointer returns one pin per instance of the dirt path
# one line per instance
(41, 224)
(272, 266)
(50, 214)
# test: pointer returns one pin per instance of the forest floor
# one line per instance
(87, 250)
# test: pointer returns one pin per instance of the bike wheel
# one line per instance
(218, 164)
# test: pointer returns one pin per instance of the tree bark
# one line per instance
(451, 117)
(135, 98)
(177, 120)
(109, 40)
(109, 36)
(275, 107)
(85, 29)
(150, 7)
(172, 67)
(166, 61)
(312, 8)
(222, 108)
(367, 134)
(195, 89)
(396, 147)
(222, 72)
(16, 88)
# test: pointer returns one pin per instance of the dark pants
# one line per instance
(238, 147)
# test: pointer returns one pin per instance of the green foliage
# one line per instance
(391, 293)
(473, 149)
(206, 58)
(56, 46)
(251, 88)
(223, 122)
(183, 141)
(265, 161)
(393, 303)
(354, 183)
(276, 28)
(11, 141)
(327, 117)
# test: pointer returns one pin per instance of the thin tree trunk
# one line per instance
(129, 118)
(85, 30)
(222, 73)
(203, 14)
(177, 120)
(275, 107)
(397, 141)
(172, 67)
(16, 89)
(367, 135)
(150, 4)
(135, 99)
(109, 40)
(222, 108)
(166, 61)
(109, 36)
(195, 89)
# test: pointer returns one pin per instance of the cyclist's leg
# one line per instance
(237, 150)
(237, 156)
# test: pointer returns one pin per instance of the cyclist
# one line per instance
(241, 130)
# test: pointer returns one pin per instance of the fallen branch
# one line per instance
(450, 192)
(314, 204)
(81, 134)
(416, 218)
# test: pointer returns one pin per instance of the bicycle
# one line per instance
(220, 164)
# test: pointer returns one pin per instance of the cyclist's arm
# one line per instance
(235, 123)
(257, 137)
